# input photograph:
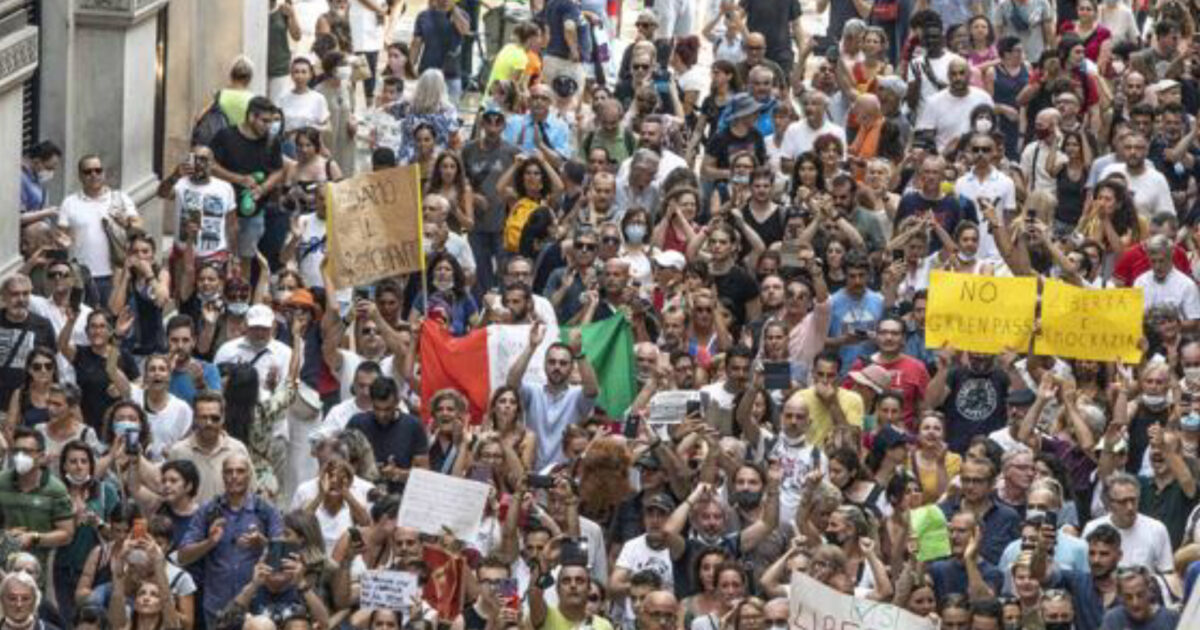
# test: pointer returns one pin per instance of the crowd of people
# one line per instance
(206, 432)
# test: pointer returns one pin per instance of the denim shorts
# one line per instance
(250, 230)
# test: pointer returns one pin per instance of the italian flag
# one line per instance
(478, 363)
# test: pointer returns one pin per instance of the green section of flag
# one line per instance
(608, 345)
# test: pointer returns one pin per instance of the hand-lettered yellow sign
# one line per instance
(1090, 324)
(375, 226)
(982, 314)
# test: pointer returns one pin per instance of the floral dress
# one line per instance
(268, 439)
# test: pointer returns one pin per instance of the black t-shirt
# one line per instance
(974, 406)
(948, 211)
(771, 229)
(93, 381)
(245, 156)
(725, 144)
(736, 287)
(401, 440)
(773, 18)
(17, 340)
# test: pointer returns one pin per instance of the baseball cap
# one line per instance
(670, 258)
(659, 501)
(1021, 398)
(260, 316)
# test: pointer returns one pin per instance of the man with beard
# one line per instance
(1093, 592)
(721, 394)
(232, 533)
(972, 395)
(601, 195)
(519, 271)
(653, 136)
(1139, 606)
(998, 523)
(205, 208)
(1170, 493)
(551, 408)
(189, 374)
(1151, 192)
(943, 111)
(398, 438)
(1163, 59)
(571, 586)
(929, 73)
(965, 571)
(704, 515)
(909, 376)
(656, 550)
(269, 356)
(209, 446)
(1174, 153)
(796, 456)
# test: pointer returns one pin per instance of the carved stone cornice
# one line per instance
(116, 13)
(18, 57)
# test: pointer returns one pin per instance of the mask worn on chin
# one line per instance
(746, 499)
(635, 234)
(445, 286)
(1154, 401)
(966, 257)
(709, 541)
(78, 480)
(1192, 374)
(22, 463)
(983, 125)
(45, 176)
(208, 296)
(834, 539)
(237, 309)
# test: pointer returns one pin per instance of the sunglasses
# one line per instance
(641, 66)
(586, 247)
(92, 171)
(610, 240)
(981, 149)
(41, 366)
(646, 25)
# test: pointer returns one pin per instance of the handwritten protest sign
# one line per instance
(814, 606)
(425, 506)
(984, 314)
(671, 406)
(1090, 324)
(506, 342)
(375, 226)
(390, 590)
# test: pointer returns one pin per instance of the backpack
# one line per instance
(514, 225)
(210, 122)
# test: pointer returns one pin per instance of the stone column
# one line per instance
(114, 74)
(18, 60)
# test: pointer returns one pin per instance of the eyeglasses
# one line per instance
(975, 481)
(92, 171)
(641, 66)
(41, 366)
(981, 149)
(586, 247)
(610, 240)
(369, 331)
(646, 25)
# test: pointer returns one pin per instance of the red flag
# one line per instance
(443, 586)
(459, 363)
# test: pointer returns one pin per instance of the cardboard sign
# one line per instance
(1090, 324)
(389, 590)
(671, 406)
(433, 503)
(814, 606)
(983, 314)
(375, 229)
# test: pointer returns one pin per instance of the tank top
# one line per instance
(1005, 93)
(1069, 194)
(149, 336)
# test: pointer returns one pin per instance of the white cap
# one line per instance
(260, 316)
(670, 258)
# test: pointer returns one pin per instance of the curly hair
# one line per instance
(604, 477)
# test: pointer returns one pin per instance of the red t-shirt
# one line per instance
(909, 377)
(1134, 262)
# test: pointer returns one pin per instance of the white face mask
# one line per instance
(275, 129)
(1192, 374)
(983, 125)
(342, 73)
(22, 463)
(79, 480)
(237, 309)
(444, 286)
(45, 176)
(1154, 401)
(635, 233)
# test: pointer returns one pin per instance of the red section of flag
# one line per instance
(459, 363)
(443, 586)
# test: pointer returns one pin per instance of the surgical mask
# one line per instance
(237, 309)
(983, 125)
(445, 286)
(1154, 401)
(22, 463)
(965, 256)
(1058, 625)
(834, 539)
(746, 499)
(208, 296)
(741, 179)
(275, 129)
(1192, 373)
(79, 480)
(124, 427)
(45, 176)
(343, 73)
(635, 233)
(709, 541)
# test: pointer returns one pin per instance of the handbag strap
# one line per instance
(16, 347)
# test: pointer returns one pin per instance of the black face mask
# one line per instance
(746, 499)
(1059, 625)
(834, 539)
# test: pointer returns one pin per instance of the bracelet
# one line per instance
(37, 539)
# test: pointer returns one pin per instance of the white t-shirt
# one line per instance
(950, 115)
(366, 31)
(637, 555)
(332, 525)
(1177, 290)
(209, 204)
(1033, 165)
(46, 308)
(994, 185)
(940, 69)
(1151, 192)
(310, 252)
(309, 109)
(239, 350)
(167, 425)
(800, 137)
(81, 216)
(1145, 544)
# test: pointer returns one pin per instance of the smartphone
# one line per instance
(362, 293)
(631, 428)
(276, 552)
(57, 255)
(76, 298)
(832, 53)
(509, 593)
(541, 482)
(480, 472)
(138, 530)
(692, 408)
(133, 443)
(356, 538)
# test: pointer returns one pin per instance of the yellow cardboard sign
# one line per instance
(983, 314)
(375, 227)
(1090, 324)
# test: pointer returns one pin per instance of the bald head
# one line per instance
(867, 107)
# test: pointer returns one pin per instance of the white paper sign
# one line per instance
(506, 342)
(670, 407)
(391, 590)
(814, 606)
(433, 501)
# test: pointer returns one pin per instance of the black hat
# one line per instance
(1020, 398)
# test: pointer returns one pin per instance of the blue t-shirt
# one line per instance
(439, 39)
(184, 388)
(33, 194)
(848, 313)
(558, 13)
(401, 440)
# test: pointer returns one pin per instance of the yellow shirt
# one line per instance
(556, 621)
(509, 64)
(929, 476)
(820, 422)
